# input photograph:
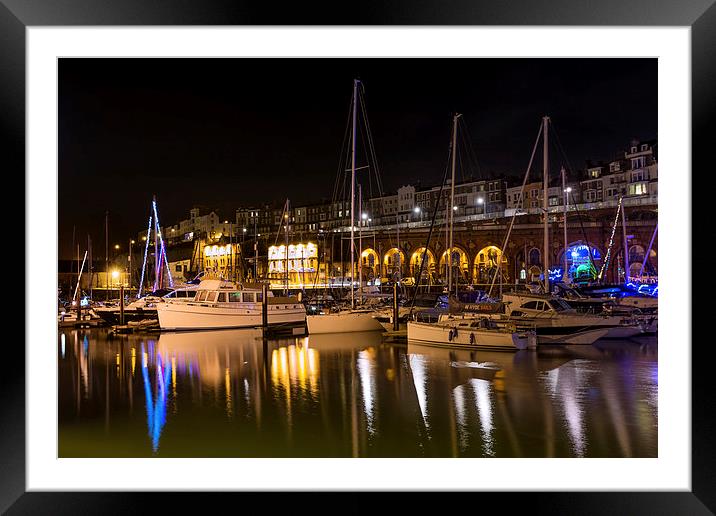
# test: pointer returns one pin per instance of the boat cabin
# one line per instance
(534, 305)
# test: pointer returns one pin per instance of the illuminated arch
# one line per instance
(460, 264)
(393, 262)
(416, 260)
(370, 262)
(582, 265)
(485, 264)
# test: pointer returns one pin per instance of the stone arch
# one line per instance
(370, 263)
(393, 263)
(582, 264)
(485, 264)
(534, 256)
(460, 264)
(416, 258)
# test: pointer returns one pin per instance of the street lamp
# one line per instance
(418, 210)
(115, 275)
(481, 202)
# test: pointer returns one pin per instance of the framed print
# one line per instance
(234, 134)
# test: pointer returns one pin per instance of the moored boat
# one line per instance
(225, 304)
(343, 321)
(471, 332)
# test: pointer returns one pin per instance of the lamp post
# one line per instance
(419, 211)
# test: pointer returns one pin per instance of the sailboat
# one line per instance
(353, 319)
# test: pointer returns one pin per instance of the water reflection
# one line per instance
(233, 394)
(155, 398)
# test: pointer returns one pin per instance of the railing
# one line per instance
(642, 200)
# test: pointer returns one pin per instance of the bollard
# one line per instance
(396, 324)
(121, 304)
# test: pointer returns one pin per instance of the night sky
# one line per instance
(225, 133)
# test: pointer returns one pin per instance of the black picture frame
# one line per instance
(699, 15)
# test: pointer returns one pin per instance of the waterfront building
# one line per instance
(482, 213)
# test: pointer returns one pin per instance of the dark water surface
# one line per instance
(230, 394)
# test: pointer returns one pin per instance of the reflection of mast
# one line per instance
(482, 389)
(156, 408)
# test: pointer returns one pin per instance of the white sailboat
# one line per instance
(472, 333)
(350, 320)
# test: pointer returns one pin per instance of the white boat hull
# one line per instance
(586, 337)
(623, 332)
(187, 316)
(343, 322)
(446, 335)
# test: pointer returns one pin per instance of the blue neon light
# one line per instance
(144, 264)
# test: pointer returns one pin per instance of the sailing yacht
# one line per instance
(472, 333)
(352, 319)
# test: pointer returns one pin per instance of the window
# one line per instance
(644, 147)
(259, 297)
(556, 306)
(201, 296)
(178, 268)
(211, 297)
(532, 305)
(234, 297)
(637, 162)
(222, 297)
(249, 297)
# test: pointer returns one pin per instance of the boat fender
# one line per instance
(472, 338)
(450, 335)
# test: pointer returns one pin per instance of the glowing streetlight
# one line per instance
(116, 246)
(115, 274)
(364, 216)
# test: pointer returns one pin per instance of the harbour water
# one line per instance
(232, 394)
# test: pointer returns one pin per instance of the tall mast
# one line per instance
(545, 203)
(157, 256)
(360, 243)
(626, 246)
(353, 182)
(452, 197)
(565, 193)
(106, 253)
(286, 219)
(89, 265)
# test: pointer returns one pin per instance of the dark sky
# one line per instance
(225, 133)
